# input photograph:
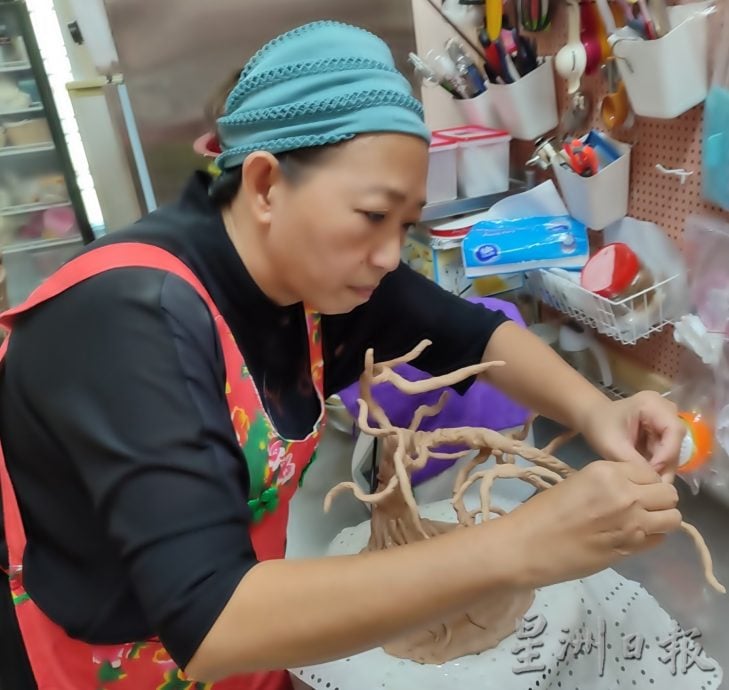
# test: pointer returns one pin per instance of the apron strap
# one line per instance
(94, 262)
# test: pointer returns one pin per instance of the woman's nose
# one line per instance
(386, 256)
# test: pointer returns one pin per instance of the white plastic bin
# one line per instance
(668, 76)
(483, 159)
(602, 199)
(442, 170)
(528, 107)
(480, 110)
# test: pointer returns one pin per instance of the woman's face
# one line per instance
(338, 230)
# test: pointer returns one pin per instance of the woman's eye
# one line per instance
(374, 216)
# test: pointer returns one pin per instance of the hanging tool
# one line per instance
(571, 59)
(427, 75)
(494, 17)
(447, 72)
(535, 15)
(650, 31)
(659, 16)
(614, 109)
(589, 36)
(466, 67)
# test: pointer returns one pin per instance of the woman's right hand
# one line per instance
(594, 518)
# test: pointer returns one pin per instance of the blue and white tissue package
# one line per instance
(525, 244)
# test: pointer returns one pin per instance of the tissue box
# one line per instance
(438, 259)
(526, 244)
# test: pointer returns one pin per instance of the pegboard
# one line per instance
(654, 197)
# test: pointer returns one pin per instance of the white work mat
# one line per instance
(580, 635)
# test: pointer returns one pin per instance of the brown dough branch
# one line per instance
(396, 519)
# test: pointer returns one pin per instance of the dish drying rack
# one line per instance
(626, 321)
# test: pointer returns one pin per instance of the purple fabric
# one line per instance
(482, 405)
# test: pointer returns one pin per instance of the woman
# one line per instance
(162, 397)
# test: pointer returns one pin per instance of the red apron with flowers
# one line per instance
(275, 466)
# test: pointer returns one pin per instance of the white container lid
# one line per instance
(452, 228)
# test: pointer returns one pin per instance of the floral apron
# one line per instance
(275, 466)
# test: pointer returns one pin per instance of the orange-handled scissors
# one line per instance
(581, 158)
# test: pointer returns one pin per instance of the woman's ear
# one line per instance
(261, 175)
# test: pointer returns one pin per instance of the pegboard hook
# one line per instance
(678, 172)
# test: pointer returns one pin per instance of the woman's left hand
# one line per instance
(644, 427)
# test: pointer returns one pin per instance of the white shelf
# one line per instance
(14, 66)
(31, 208)
(23, 111)
(23, 150)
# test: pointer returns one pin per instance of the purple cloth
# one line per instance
(482, 405)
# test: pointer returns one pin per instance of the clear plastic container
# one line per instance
(615, 272)
(442, 170)
(483, 159)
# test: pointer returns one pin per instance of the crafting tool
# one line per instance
(650, 31)
(466, 67)
(614, 108)
(447, 71)
(534, 15)
(545, 155)
(526, 55)
(570, 63)
(638, 24)
(509, 72)
(571, 59)
(606, 49)
(494, 16)
(428, 76)
(581, 158)
(608, 19)
(589, 35)
(659, 16)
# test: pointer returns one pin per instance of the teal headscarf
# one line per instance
(322, 83)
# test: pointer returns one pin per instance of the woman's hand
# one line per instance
(593, 519)
(643, 427)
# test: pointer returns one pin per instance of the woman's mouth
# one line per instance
(364, 293)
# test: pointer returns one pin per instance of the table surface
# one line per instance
(672, 573)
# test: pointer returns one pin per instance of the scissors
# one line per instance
(581, 158)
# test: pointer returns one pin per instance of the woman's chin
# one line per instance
(344, 302)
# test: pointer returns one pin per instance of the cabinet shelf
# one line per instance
(20, 66)
(31, 208)
(35, 108)
(40, 244)
(25, 150)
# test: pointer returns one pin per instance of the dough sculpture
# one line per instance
(396, 519)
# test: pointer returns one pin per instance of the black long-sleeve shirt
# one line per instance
(116, 431)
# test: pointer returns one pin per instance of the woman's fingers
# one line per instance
(658, 496)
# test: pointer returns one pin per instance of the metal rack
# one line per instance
(627, 321)
(462, 207)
